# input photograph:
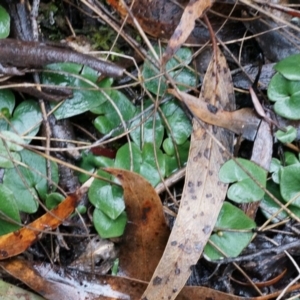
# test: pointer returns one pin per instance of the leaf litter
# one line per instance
(199, 288)
(203, 193)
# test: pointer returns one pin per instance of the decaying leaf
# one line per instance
(243, 121)
(194, 10)
(53, 285)
(203, 193)
(24, 271)
(17, 242)
(146, 233)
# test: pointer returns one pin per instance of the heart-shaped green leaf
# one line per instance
(230, 234)
(289, 67)
(106, 197)
(288, 136)
(245, 189)
(106, 227)
(286, 94)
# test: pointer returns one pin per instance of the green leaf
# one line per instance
(107, 198)
(290, 108)
(286, 94)
(232, 242)
(53, 199)
(290, 158)
(275, 165)
(4, 23)
(245, 189)
(289, 67)
(171, 161)
(127, 158)
(7, 102)
(106, 227)
(288, 136)
(290, 184)
(12, 141)
(27, 118)
(178, 121)
(143, 161)
(9, 209)
(281, 89)
(148, 168)
(89, 162)
(83, 99)
(275, 169)
(110, 118)
(144, 133)
(168, 147)
(27, 183)
(7, 159)
(157, 84)
(7, 146)
(269, 207)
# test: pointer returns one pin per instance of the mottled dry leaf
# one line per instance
(194, 10)
(203, 193)
(17, 242)
(146, 233)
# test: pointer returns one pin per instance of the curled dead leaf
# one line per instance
(243, 121)
(194, 10)
(146, 233)
(17, 242)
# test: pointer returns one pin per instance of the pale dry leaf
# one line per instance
(203, 192)
(194, 10)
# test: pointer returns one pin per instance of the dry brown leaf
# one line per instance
(203, 193)
(53, 285)
(17, 242)
(243, 121)
(24, 271)
(194, 10)
(146, 233)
